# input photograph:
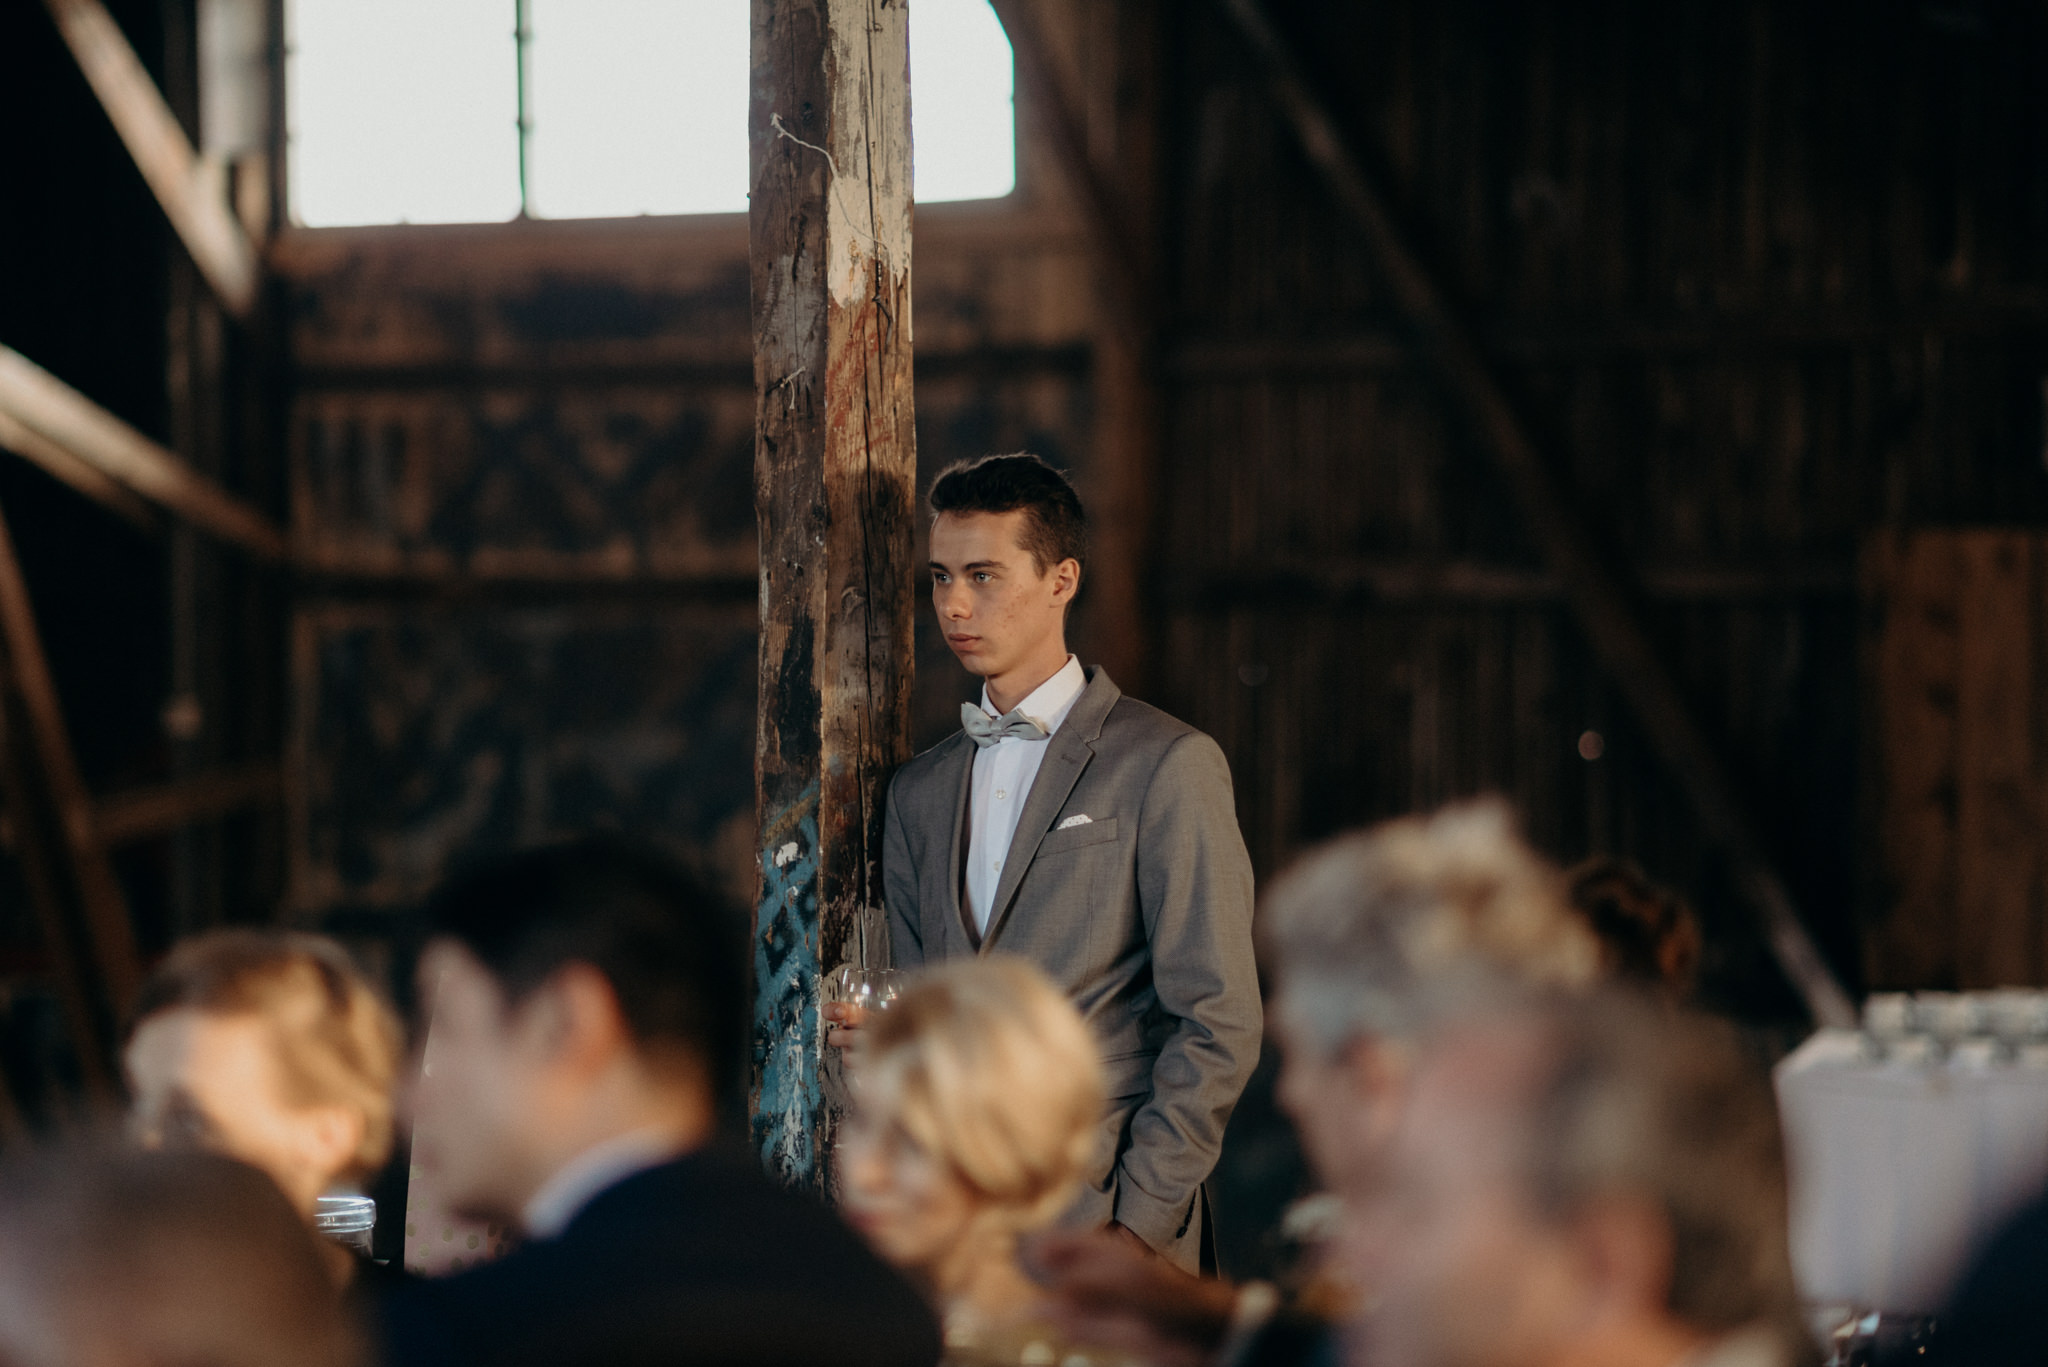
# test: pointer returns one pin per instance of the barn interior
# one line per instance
(1637, 411)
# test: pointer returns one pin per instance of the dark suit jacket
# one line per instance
(699, 1261)
(1994, 1316)
(1142, 913)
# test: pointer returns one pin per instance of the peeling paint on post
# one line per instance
(835, 471)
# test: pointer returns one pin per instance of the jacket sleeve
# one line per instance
(899, 885)
(1195, 895)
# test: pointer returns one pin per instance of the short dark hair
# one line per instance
(1056, 529)
(670, 945)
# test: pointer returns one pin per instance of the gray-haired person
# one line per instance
(1599, 1180)
(1371, 937)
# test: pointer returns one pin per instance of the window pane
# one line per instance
(402, 111)
(639, 107)
(963, 125)
(406, 110)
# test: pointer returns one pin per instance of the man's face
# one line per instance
(997, 610)
(1458, 1267)
(484, 1092)
(1343, 1101)
(213, 1081)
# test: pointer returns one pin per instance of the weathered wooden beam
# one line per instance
(1111, 220)
(193, 193)
(33, 838)
(1283, 583)
(86, 478)
(835, 463)
(51, 409)
(1114, 624)
(143, 812)
(1601, 605)
(47, 745)
(1565, 340)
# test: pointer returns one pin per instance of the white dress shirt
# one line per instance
(597, 1169)
(1003, 774)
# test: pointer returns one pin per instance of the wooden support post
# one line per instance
(45, 756)
(1111, 219)
(835, 469)
(37, 843)
(64, 418)
(1116, 208)
(193, 193)
(1603, 607)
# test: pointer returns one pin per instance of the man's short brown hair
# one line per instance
(1055, 528)
(337, 1043)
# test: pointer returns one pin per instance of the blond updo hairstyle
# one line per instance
(337, 1042)
(1374, 931)
(992, 1071)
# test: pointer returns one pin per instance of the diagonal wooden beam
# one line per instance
(34, 841)
(55, 767)
(1603, 608)
(65, 418)
(193, 198)
(85, 477)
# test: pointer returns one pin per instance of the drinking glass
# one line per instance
(1948, 1018)
(1887, 1020)
(2009, 1014)
(348, 1220)
(871, 989)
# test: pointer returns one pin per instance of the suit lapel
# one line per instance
(1066, 756)
(961, 767)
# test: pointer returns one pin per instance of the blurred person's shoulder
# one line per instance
(701, 1260)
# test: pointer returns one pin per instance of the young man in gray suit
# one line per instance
(1087, 832)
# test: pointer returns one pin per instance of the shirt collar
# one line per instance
(601, 1166)
(1049, 703)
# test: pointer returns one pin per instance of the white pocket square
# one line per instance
(1077, 819)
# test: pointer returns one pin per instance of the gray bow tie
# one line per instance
(987, 730)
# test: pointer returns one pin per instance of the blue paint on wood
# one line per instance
(789, 1101)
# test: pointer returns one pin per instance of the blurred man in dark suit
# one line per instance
(590, 1018)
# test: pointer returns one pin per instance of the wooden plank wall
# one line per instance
(1766, 279)
(523, 455)
(1763, 276)
(1958, 626)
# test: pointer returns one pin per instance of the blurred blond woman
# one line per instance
(978, 1102)
(272, 1048)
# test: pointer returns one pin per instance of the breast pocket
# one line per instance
(1073, 838)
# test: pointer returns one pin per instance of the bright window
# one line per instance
(409, 111)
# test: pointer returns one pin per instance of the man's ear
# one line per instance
(1626, 1248)
(329, 1137)
(1377, 1070)
(1066, 580)
(583, 1023)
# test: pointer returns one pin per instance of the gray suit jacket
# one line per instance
(1143, 914)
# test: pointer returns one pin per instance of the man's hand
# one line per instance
(846, 1019)
(1108, 1287)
